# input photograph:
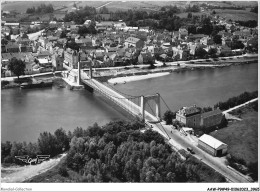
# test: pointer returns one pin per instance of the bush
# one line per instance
(169, 116)
(4, 83)
(63, 172)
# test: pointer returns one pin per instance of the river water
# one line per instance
(27, 113)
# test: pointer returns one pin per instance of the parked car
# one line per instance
(190, 150)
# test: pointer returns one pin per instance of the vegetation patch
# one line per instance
(242, 139)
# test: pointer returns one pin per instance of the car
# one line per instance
(190, 150)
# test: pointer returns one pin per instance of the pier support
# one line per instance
(156, 98)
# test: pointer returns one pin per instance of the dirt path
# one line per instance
(238, 106)
(20, 174)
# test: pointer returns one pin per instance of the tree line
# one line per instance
(234, 101)
(79, 16)
(116, 152)
(47, 144)
(120, 152)
(41, 9)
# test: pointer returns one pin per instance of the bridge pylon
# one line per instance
(156, 98)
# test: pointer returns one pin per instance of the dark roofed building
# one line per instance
(145, 58)
(12, 47)
(190, 116)
(211, 118)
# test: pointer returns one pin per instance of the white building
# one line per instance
(212, 146)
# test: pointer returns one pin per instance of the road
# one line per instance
(180, 141)
(25, 76)
(103, 5)
(214, 162)
(238, 106)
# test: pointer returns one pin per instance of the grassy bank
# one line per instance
(242, 137)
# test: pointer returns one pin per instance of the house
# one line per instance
(206, 41)
(134, 42)
(105, 25)
(179, 53)
(225, 50)
(43, 41)
(193, 37)
(43, 54)
(189, 116)
(211, 118)
(71, 58)
(192, 48)
(12, 47)
(212, 146)
(87, 41)
(57, 62)
(145, 58)
(5, 30)
(183, 33)
(175, 34)
(226, 41)
(120, 25)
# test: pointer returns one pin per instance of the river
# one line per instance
(27, 113)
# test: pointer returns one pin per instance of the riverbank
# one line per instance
(19, 174)
(104, 74)
(180, 66)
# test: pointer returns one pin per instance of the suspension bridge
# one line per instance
(135, 105)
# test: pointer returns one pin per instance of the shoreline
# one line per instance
(126, 72)
(171, 68)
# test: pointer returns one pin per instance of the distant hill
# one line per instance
(22, 6)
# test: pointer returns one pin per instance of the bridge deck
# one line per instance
(115, 97)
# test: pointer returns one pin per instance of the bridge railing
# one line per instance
(114, 100)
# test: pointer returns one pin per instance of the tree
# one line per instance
(62, 139)
(63, 35)
(212, 52)
(213, 12)
(104, 10)
(82, 30)
(169, 116)
(5, 150)
(73, 45)
(217, 39)
(4, 41)
(200, 52)
(254, 9)
(189, 15)
(17, 67)
(47, 144)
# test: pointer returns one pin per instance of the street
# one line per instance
(214, 162)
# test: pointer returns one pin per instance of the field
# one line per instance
(241, 136)
(22, 6)
(236, 15)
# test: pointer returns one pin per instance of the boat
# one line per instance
(37, 84)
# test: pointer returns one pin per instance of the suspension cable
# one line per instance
(159, 121)
(113, 95)
(122, 92)
(165, 103)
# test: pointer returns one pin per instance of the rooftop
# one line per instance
(211, 113)
(211, 141)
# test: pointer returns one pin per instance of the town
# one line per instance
(113, 43)
(89, 48)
